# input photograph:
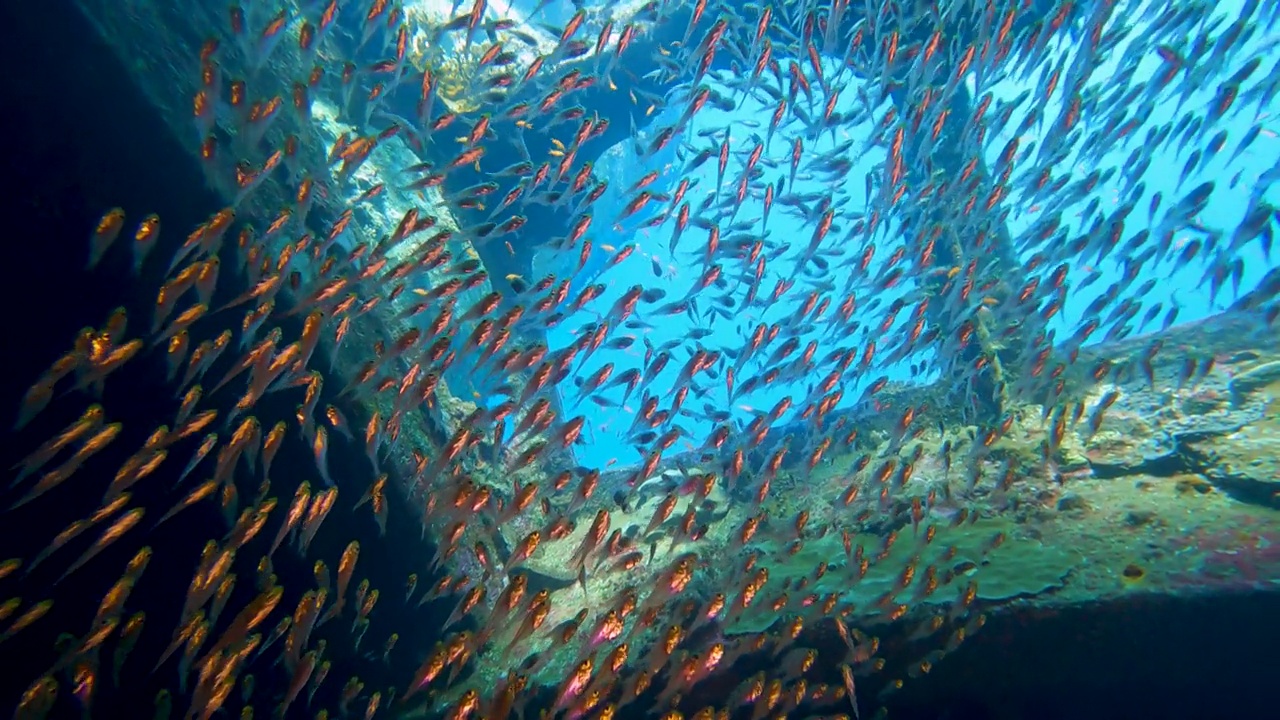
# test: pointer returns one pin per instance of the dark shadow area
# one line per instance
(81, 139)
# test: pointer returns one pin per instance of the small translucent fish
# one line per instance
(117, 322)
(228, 498)
(320, 450)
(88, 422)
(316, 514)
(270, 446)
(339, 422)
(301, 675)
(9, 567)
(298, 507)
(278, 632)
(72, 531)
(184, 320)
(94, 373)
(305, 615)
(129, 635)
(205, 238)
(317, 678)
(207, 280)
(188, 404)
(346, 567)
(193, 425)
(206, 447)
(350, 692)
(121, 526)
(366, 607)
(144, 241)
(253, 322)
(104, 234)
(63, 472)
(321, 571)
(378, 501)
(163, 705)
(136, 468)
(181, 634)
(205, 354)
(175, 353)
(113, 602)
(196, 640)
(221, 596)
(171, 292)
(249, 618)
(9, 607)
(37, 398)
(37, 700)
(251, 522)
(27, 619)
(264, 578)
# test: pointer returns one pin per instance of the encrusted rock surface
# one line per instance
(1245, 463)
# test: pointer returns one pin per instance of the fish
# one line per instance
(105, 234)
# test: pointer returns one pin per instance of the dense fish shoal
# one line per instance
(884, 317)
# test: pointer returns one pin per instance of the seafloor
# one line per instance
(1173, 497)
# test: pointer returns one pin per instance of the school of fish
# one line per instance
(861, 289)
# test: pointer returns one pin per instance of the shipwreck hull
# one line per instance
(167, 72)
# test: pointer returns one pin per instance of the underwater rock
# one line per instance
(1193, 484)
(1022, 444)
(1072, 501)
(1130, 442)
(1138, 518)
(1244, 464)
(1025, 569)
(1201, 403)
(1253, 379)
(554, 559)
(1147, 430)
(1233, 444)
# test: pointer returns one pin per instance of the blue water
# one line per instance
(679, 271)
